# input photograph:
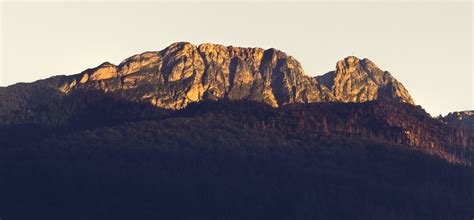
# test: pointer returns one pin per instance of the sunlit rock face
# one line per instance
(357, 80)
(183, 73)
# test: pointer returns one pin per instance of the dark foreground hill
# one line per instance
(95, 156)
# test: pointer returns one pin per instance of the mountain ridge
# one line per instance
(183, 73)
(462, 119)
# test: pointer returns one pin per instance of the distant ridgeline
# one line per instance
(215, 132)
(184, 73)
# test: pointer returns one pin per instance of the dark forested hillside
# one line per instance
(463, 119)
(95, 156)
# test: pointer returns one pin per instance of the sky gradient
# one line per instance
(426, 46)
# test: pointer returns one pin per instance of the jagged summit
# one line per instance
(183, 73)
(356, 80)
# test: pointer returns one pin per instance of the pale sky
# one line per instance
(426, 46)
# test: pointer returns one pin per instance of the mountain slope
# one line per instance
(94, 156)
(463, 119)
(389, 121)
(184, 73)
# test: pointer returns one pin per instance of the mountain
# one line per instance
(184, 73)
(463, 119)
(215, 132)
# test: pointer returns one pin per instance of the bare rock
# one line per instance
(183, 73)
(356, 80)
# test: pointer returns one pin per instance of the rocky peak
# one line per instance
(183, 73)
(356, 80)
(348, 65)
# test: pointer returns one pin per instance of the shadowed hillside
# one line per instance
(98, 156)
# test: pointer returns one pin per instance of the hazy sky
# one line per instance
(426, 46)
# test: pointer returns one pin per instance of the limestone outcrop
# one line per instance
(184, 73)
(356, 80)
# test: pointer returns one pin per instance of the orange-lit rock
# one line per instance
(183, 73)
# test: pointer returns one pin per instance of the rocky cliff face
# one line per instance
(357, 80)
(183, 73)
